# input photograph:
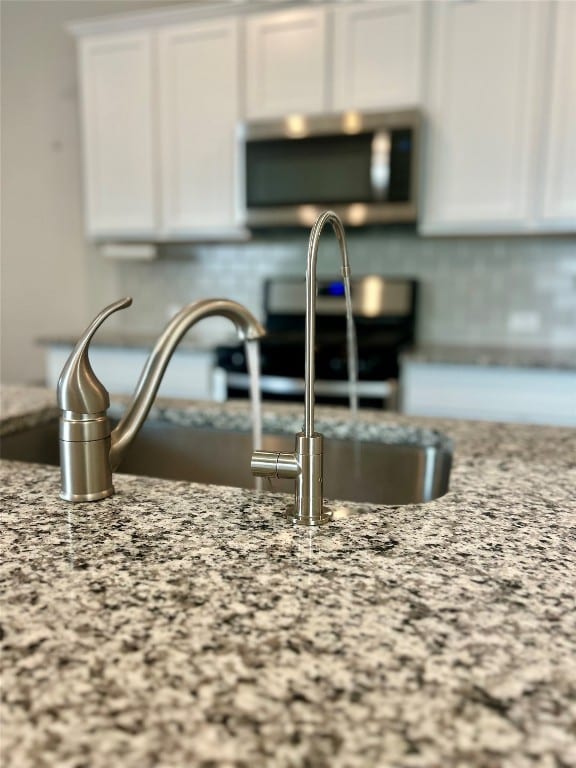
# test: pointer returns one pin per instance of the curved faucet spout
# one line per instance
(311, 291)
(247, 327)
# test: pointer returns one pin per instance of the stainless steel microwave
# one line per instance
(364, 166)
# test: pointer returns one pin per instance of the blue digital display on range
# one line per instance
(335, 289)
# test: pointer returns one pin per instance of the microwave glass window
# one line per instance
(400, 166)
(327, 170)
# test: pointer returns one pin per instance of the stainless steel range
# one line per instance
(384, 314)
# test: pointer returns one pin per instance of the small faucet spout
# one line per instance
(89, 450)
(305, 465)
(311, 292)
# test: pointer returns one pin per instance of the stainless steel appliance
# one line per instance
(384, 313)
(363, 166)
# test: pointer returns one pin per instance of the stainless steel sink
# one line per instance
(362, 471)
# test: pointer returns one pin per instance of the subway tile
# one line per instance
(469, 287)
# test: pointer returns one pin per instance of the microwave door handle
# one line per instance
(380, 165)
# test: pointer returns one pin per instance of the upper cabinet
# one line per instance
(117, 76)
(286, 66)
(162, 96)
(351, 56)
(160, 108)
(557, 204)
(501, 118)
(198, 111)
(483, 96)
(377, 56)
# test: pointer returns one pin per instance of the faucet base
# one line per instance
(79, 497)
(311, 522)
(305, 467)
(85, 470)
(308, 498)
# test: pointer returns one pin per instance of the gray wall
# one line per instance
(44, 258)
(52, 282)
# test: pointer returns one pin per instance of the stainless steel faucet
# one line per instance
(305, 465)
(89, 449)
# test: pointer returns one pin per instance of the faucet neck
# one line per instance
(150, 379)
(311, 291)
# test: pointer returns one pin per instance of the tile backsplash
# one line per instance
(481, 292)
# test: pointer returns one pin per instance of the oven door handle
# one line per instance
(286, 385)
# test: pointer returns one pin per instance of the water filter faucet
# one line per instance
(305, 464)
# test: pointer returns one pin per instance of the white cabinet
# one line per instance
(160, 108)
(199, 106)
(523, 395)
(372, 60)
(377, 55)
(483, 103)
(558, 202)
(161, 97)
(501, 113)
(190, 373)
(116, 72)
(286, 63)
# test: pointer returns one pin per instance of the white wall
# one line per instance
(44, 288)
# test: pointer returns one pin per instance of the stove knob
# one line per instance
(237, 359)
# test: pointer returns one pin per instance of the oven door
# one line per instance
(371, 394)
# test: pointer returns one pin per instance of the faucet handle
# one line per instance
(79, 389)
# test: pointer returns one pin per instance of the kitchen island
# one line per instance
(176, 624)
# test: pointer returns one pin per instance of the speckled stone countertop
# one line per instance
(502, 357)
(178, 625)
(22, 407)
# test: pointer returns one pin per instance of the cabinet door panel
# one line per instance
(522, 395)
(286, 63)
(559, 198)
(482, 115)
(189, 374)
(377, 55)
(199, 110)
(117, 89)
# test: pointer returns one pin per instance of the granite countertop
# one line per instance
(176, 624)
(507, 357)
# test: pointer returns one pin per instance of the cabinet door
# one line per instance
(377, 55)
(199, 108)
(189, 375)
(485, 69)
(286, 63)
(117, 122)
(558, 203)
(522, 395)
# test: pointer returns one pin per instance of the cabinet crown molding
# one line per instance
(178, 14)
